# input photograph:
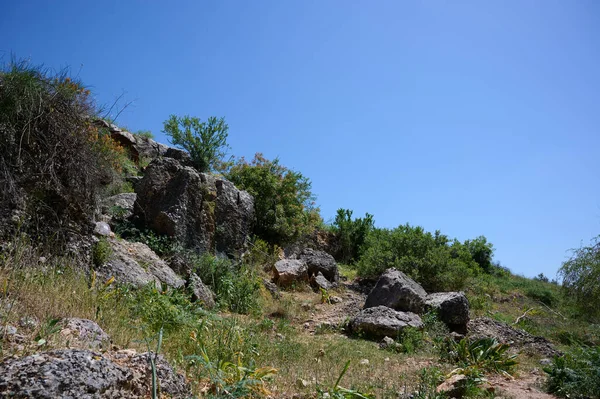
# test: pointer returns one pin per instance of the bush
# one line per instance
(431, 259)
(581, 278)
(205, 141)
(484, 354)
(101, 252)
(351, 234)
(576, 374)
(481, 252)
(54, 160)
(283, 203)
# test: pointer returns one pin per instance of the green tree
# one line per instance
(482, 252)
(351, 233)
(581, 278)
(205, 141)
(283, 202)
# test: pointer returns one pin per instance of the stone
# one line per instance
(386, 342)
(136, 264)
(320, 262)
(272, 288)
(364, 362)
(200, 292)
(289, 271)
(454, 387)
(320, 282)
(84, 333)
(201, 211)
(452, 308)
(397, 291)
(102, 229)
(80, 373)
(119, 207)
(380, 321)
(335, 299)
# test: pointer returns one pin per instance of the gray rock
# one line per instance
(102, 229)
(320, 262)
(387, 342)
(83, 374)
(380, 321)
(135, 263)
(452, 309)
(200, 292)
(84, 333)
(289, 271)
(119, 206)
(272, 288)
(397, 291)
(203, 212)
(319, 281)
(182, 156)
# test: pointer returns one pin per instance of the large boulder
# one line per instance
(200, 292)
(76, 373)
(396, 290)
(320, 262)
(202, 211)
(118, 207)
(452, 308)
(289, 271)
(380, 321)
(136, 264)
(84, 333)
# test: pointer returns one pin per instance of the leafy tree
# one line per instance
(482, 252)
(351, 233)
(581, 278)
(284, 205)
(205, 141)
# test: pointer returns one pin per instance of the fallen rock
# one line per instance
(320, 262)
(102, 229)
(77, 373)
(84, 333)
(135, 263)
(452, 308)
(381, 321)
(289, 271)
(454, 387)
(320, 282)
(200, 292)
(397, 291)
(387, 342)
(200, 210)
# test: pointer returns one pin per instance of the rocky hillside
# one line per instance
(128, 272)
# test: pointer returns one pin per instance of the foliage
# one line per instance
(235, 284)
(576, 374)
(262, 254)
(482, 252)
(283, 203)
(437, 263)
(429, 379)
(205, 141)
(54, 160)
(351, 233)
(145, 134)
(101, 252)
(338, 392)
(581, 278)
(484, 354)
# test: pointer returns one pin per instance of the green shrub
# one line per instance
(484, 354)
(283, 203)
(205, 141)
(145, 134)
(351, 234)
(481, 251)
(101, 252)
(576, 374)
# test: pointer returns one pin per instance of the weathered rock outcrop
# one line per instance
(83, 374)
(452, 309)
(84, 333)
(135, 263)
(397, 291)
(200, 292)
(320, 262)
(200, 210)
(118, 207)
(137, 146)
(381, 321)
(289, 271)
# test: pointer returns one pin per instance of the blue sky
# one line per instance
(472, 117)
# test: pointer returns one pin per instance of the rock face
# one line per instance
(118, 207)
(84, 333)
(397, 291)
(320, 262)
(201, 211)
(134, 263)
(76, 373)
(289, 271)
(138, 146)
(381, 321)
(452, 309)
(200, 292)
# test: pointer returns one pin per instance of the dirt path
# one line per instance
(527, 386)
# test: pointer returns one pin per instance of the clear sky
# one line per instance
(472, 117)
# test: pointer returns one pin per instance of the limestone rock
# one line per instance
(288, 271)
(84, 333)
(320, 262)
(200, 292)
(452, 309)
(319, 281)
(380, 321)
(397, 291)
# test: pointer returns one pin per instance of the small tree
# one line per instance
(352, 233)
(205, 141)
